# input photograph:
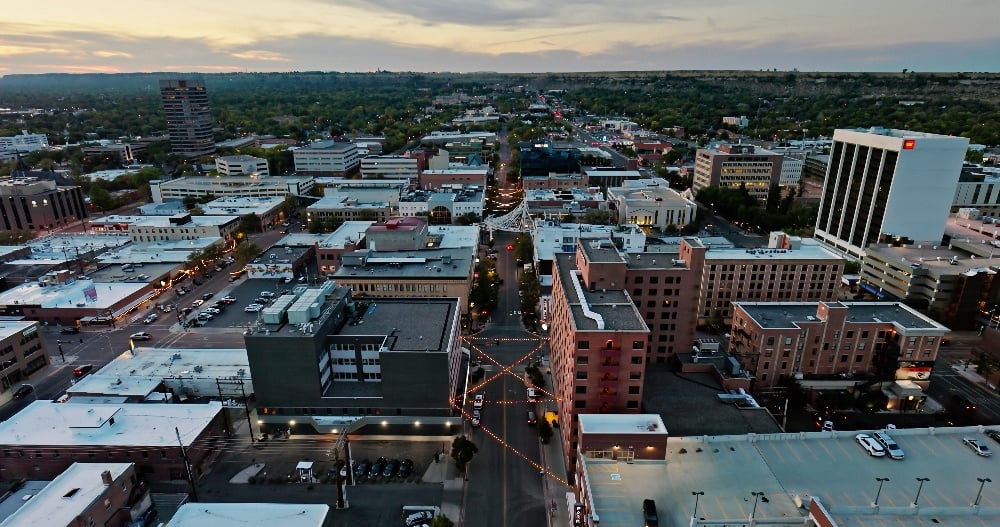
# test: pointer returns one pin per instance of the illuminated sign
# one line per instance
(29, 331)
(908, 144)
(578, 515)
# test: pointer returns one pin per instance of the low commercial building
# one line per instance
(445, 206)
(606, 177)
(340, 360)
(65, 300)
(338, 208)
(651, 203)
(241, 165)
(281, 263)
(46, 437)
(350, 236)
(107, 494)
(598, 340)
(182, 227)
(454, 175)
(235, 186)
(268, 209)
(775, 341)
(327, 158)
(391, 167)
(241, 514)
(738, 166)
(623, 437)
(553, 181)
(564, 201)
(22, 352)
(171, 374)
(24, 142)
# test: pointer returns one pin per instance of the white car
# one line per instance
(891, 447)
(478, 401)
(870, 445)
(978, 446)
(151, 318)
(253, 308)
(476, 417)
(197, 303)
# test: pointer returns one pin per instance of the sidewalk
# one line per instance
(559, 497)
(445, 472)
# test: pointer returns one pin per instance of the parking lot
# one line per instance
(243, 293)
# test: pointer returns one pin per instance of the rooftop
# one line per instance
(809, 249)
(244, 514)
(166, 363)
(349, 232)
(394, 317)
(68, 496)
(829, 466)
(622, 424)
(449, 264)
(347, 201)
(328, 145)
(12, 327)
(114, 385)
(239, 158)
(602, 310)
(893, 132)
(301, 239)
(790, 314)
(55, 424)
(73, 294)
(163, 251)
(196, 221)
(241, 206)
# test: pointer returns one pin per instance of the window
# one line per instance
(632, 404)
(581, 390)
(583, 345)
(638, 344)
(582, 360)
(843, 358)
(581, 375)
(579, 404)
(788, 341)
(633, 390)
(636, 360)
(635, 375)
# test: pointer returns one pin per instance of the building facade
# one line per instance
(327, 158)
(183, 227)
(884, 183)
(24, 142)
(233, 186)
(738, 166)
(391, 167)
(242, 165)
(22, 352)
(36, 204)
(775, 341)
(651, 203)
(598, 340)
(189, 118)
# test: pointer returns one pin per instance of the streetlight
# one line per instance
(919, 488)
(879, 492)
(982, 483)
(757, 496)
(696, 494)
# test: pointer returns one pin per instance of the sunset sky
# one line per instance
(499, 35)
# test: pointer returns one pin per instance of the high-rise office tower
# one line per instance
(189, 119)
(884, 184)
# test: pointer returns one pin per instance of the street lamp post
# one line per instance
(982, 483)
(919, 488)
(757, 495)
(697, 494)
(879, 491)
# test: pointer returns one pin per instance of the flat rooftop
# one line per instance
(790, 314)
(115, 273)
(613, 308)
(827, 465)
(301, 239)
(12, 327)
(622, 424)
(242, 514)
(196, 221)
(68, 496)
(166, 363)
(241, 206)
(71, 295)
(328, 145)
(56, 424)
(425, 263)
(455, 236)
(348, 232)
(68, 247)
(808, 249)
(114, 385)
(164, 251)
(429, 333)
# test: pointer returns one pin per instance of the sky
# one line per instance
(114, 36)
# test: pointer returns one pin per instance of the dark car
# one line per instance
(362, 468)
(995, 435)
(80, 371)
(391, 469)
(23, 391)
(959, 402)
(649, 513)
(72, 330)
(206, 296)
(405, 468)
(377, 467)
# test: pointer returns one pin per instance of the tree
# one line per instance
(251, 223)
(462, 451)
(245, 252)
(544, 430)
(17, 236)
(442, 521)
(102, 199)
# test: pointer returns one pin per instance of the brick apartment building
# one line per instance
(598, 339)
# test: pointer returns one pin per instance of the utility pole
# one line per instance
(225, 411)
(187, 465)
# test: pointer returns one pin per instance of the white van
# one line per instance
(532, 396)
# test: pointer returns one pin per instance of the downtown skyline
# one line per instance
(504, 36)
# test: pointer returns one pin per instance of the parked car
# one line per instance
(419, 518)
(229, 299)
(197, 303)
(995, 435)
(362, 468)
(181, 292)
(978, 446)
(23, 391)
(253, 308)
(150, 318)
(870, 445)
(649, 513)
(187, 310)
(889, 444)
(142, 335)
(206, 296)
(267, 294)
(391, 468)
(80, 371)
(406, 468)
(377, 467)
(205, 316)
(71, 330)
(213, 311)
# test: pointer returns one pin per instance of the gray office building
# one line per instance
(189, 118)
(322, 360)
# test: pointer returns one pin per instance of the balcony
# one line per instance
(608, 393)
(609, 367)
(611, 353)
(611, 383)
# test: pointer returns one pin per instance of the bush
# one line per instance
(252, 480)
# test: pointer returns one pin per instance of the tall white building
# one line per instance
(25, 142)
(327, 158)
(887, 184)
(391, 167)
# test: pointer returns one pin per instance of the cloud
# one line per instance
(261, 55)
(112, 54)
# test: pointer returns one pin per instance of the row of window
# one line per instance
(353, 376)
(609, 344)
(341, 346)
(354, 362)
(390, 287)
